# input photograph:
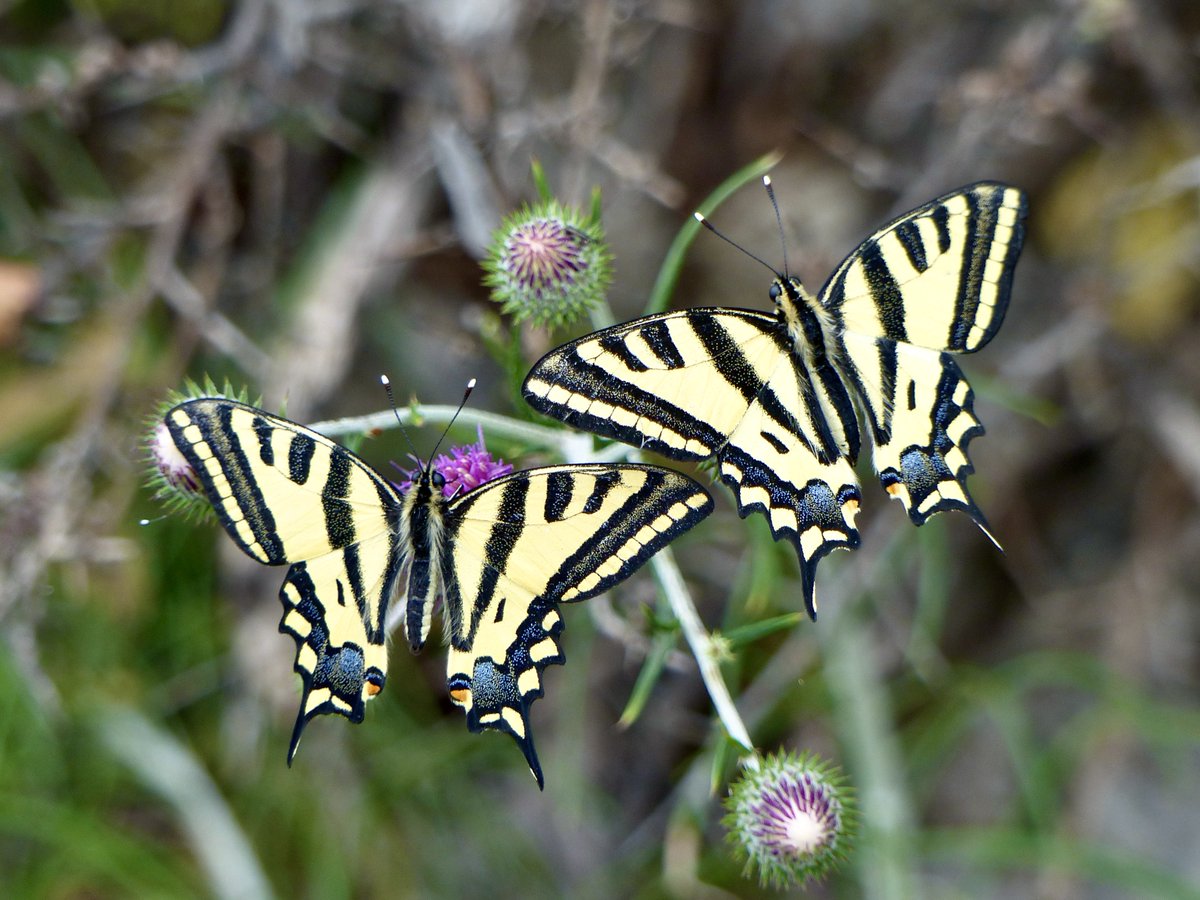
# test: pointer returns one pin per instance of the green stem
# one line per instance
(505, 426)
(670, 579)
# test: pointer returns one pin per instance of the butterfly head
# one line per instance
(787, 293)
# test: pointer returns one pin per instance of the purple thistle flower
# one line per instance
(464, 468)
(792, 819)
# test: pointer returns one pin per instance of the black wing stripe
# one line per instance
(642, 507)
(909, 236)
(604, 484)
(885, 291)
(263, 430)
(615, 344)
(727, 355)
(559, 490)
(339, 517)
(500, 543)
(966, 303)
(300, 457)
(227, 449)
(657, 336)
(941, 220)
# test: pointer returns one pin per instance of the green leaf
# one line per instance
(652, 669)
(746, 634)
(540, 184)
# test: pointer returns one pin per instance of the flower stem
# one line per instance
(493, 423)
(670, 579)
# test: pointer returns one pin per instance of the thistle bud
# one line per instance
(548, 264)
(792, 819)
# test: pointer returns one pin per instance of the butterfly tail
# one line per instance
(493, 702)
(335, 678)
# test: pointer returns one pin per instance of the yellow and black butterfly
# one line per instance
(501, 556)
(777, 399)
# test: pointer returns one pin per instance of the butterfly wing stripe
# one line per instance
(559, 491)
(623, 536)
(833, 406)
(658, 338)
(500, 544)
(300, 457)
(979, 285)
(203, 434)
(941, 224)
(616, 345)
(339, 516)
(726, 354)
(871, 372)
(885, 291)
(909, 236)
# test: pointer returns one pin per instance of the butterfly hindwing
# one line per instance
(525, 543)
(286, 494)
(921, 430)
(334, 607)
(795, 468)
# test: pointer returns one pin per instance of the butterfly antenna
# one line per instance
(387, 386)
(709, 225)
(779, 219)
(450, 424)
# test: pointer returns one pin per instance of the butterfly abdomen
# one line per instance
(422, 516)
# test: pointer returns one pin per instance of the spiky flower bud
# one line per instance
(791, 819)
(548, 264)
(463, 468)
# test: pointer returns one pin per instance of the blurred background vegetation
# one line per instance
(294, 195)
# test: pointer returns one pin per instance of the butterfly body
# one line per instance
(500, 557)
(783, 401)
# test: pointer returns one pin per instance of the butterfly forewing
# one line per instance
(677, 384)
(258, 468)
(939, 276)
(522, 544)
